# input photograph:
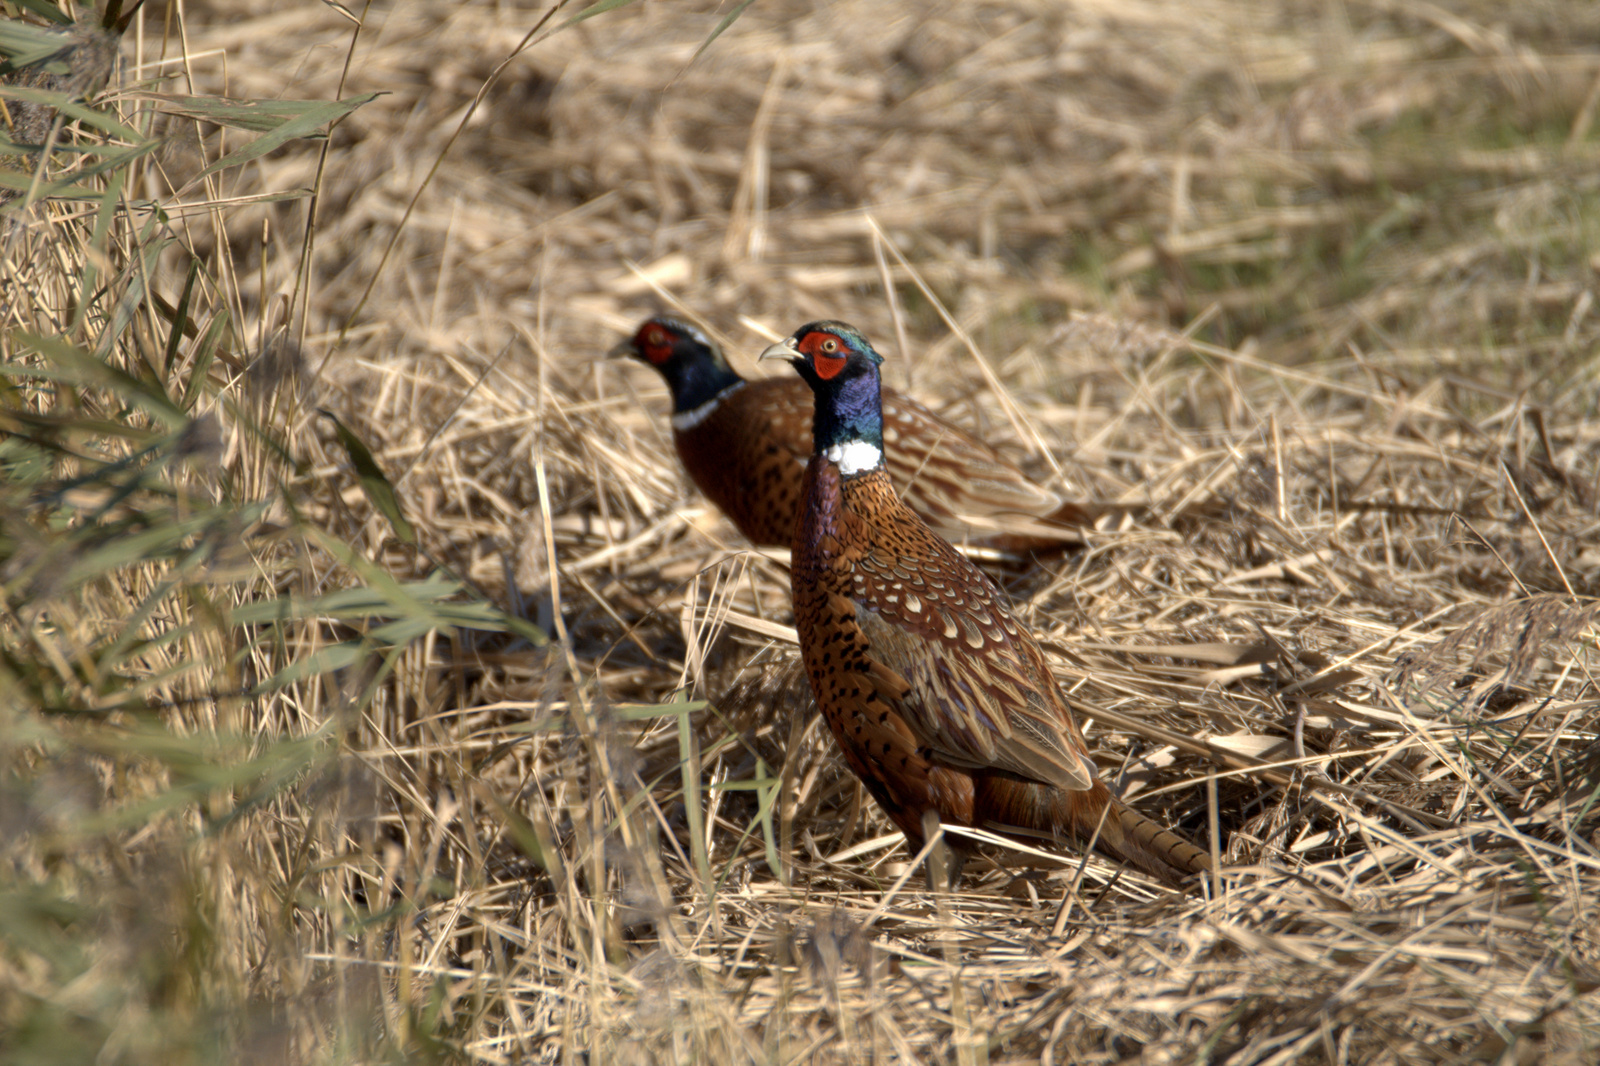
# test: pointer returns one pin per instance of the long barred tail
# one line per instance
(1149, 845)
(1034, 810)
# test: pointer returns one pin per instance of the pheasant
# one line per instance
(939, 698)
(746, 443)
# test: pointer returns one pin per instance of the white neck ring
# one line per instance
(854, 456)
(684, 420)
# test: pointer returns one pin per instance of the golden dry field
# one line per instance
(458, 727)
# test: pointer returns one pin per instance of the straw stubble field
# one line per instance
(1304, 290)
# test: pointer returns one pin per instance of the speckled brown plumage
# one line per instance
(939, 698)
(746, 443)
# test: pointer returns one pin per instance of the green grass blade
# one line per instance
(307, 124)
(181, 325)
(205, 354)
(595, 9)
(324, 660)
(66, 363)
(728, 20)
(73, 110)
(114, 161)
(693, 799)
(379, 492)
(46, 10)
(102, 228)
(253, 116)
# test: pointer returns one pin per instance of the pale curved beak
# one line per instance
(784, 349)
(625, 348)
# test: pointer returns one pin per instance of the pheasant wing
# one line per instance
(974, 713)
(784, 407)
(977, 693)
(947, 473)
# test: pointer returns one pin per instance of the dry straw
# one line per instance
(1300, 292)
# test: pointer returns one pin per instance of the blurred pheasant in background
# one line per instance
(940, 699)
(746, 443)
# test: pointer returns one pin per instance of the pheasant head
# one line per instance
(842, 370)
(692, 363)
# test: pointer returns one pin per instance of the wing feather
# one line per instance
(975, 716)
(943, 472)
(947, 473)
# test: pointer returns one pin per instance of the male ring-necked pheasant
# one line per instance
(746, 443)
(940, 699)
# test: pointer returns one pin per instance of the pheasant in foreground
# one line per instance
(746, 443)
(940, 699)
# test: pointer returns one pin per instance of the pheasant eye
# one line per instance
(824, 361)
(655, 344)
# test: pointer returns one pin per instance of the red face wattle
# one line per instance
(654, 343)
(826, 351)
